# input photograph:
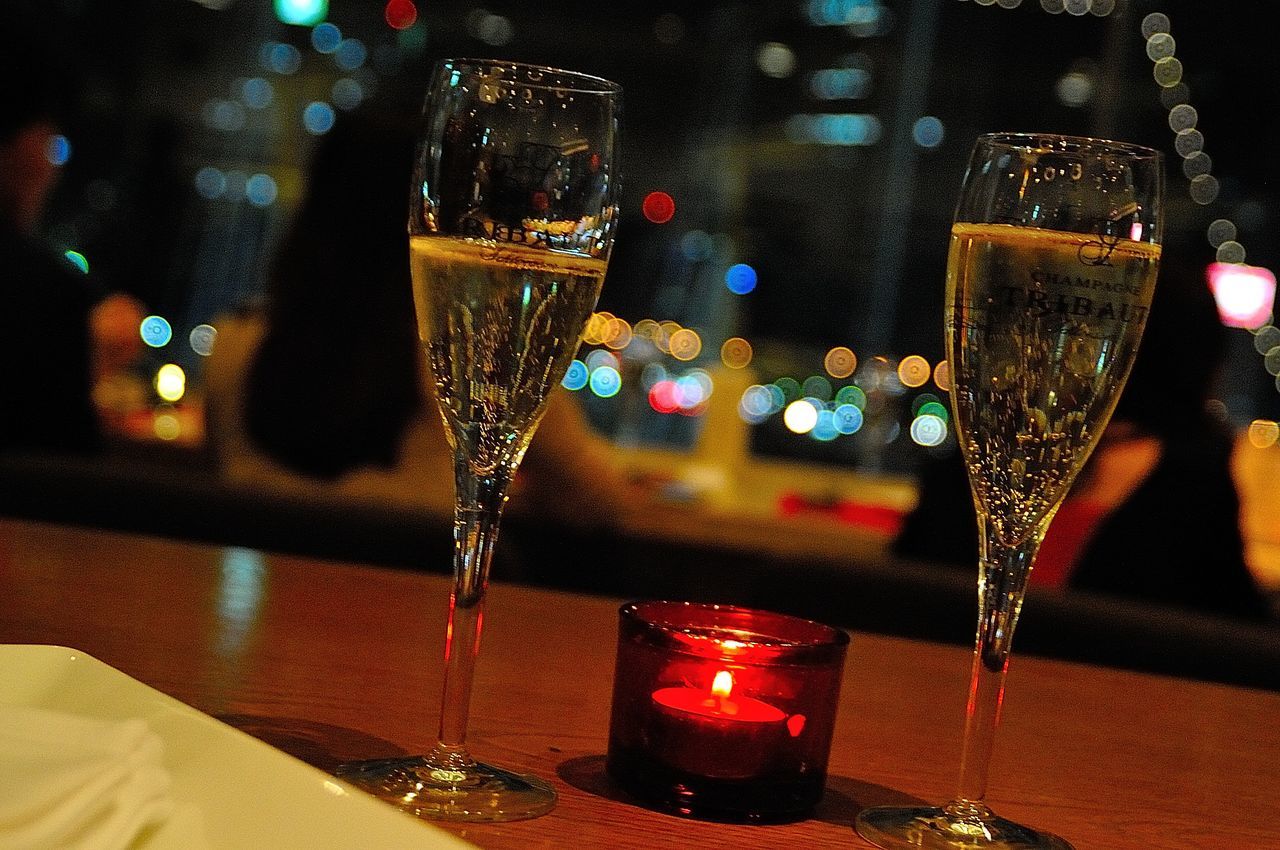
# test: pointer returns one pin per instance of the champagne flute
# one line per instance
(1052, 267)
(513, 208)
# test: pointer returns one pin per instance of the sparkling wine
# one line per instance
(1042, 328)
(500, 324)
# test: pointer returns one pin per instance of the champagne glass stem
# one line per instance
(1003, 571)
(478, 510)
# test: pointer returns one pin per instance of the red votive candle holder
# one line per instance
(722, 712)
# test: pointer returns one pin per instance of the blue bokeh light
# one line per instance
(325, 38)
(740, 279)
(927, 132)
(78, 260)
(576, 378)
(347, 94)
(284, 58)
(825, 430)
(848, 419)
(605, 381)
(257, 93)
(351, 54)
(318, 118)
(58, 150)
(261, 190)
(156, 331)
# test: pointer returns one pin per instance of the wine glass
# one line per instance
(1052, 267)
(512, 213)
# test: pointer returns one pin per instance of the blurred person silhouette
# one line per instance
(59, 330)
(1154, 515)
(327, 382)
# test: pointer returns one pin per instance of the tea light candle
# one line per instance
(723, 712)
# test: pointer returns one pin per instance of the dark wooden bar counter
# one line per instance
(339, 661)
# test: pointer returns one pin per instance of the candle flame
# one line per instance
(722, 685)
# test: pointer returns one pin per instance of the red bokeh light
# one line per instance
(658, 207)
(663, 397)
(401, 14)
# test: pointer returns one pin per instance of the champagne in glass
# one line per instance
(1051, 271)
(512, 216)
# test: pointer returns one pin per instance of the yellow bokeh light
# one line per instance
(646, 329)
(597, 328)
(914, 371)
(171, 382)
(166, 426)
(800, 417)
(619, 334)
(735, 353)
(685, 344)
(840, 362)
(942, 375)
(1263, 433)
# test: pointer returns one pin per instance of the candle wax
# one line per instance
(723, 737)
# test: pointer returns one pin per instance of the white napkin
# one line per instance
(77, 783)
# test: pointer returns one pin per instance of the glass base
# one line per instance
(963, 826)
(476, 793)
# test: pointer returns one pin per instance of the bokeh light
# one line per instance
(816, 386)
(156, 331)
(351, 54)
(928, 430)
(202, 339)
(658, 207)
(776, 60)
(1263, 433)
(840, 362)
(848, 418)
(800, 416)
(257, 93)
(618, 335)
(575, 378)
(685, 344)
(78, 260)
(662, 397)
(736, 353)
(824, 429)
(165, 425)
(757, 401)
(914, 371)
(854, 395)
(284, 58)
(789, 387)
(602, 357)
(927, 132)
(942, 375)
(171, 382)
(261, 190)
(210, 182)
(605, 381)
(740, 278)
(651, 374)
(400, 14)
(318, 118)
(57, 150)
(346, 93)
(326, 37)
(597, 327)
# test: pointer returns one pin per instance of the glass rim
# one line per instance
(591, 84)
(1071, 144)
(647, 614)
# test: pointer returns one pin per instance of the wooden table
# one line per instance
(339, 661)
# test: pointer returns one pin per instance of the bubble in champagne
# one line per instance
(1204, 189)
(1196, 164)
(1188, 142)
(1172, 96)
(1220, 230)
(1271, 361)
(1160, 46)
(1263, 433)
(1167, 71)
(1156, 22)
(1182, 117)
(1266, 338)
(1230, 251)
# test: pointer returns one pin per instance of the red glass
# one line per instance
(723, 712)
